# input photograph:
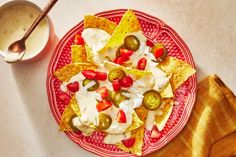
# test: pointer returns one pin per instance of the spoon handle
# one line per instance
(39, 18)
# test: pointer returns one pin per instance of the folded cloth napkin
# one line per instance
(211, 129)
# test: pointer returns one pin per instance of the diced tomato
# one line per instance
(116, 85)
(142, 64)
(149, 43)
(102, 91)
(121, 117)
(89, 74)
(103, 105)
(125, 58)
(101, 76)
(79, 40)
(155, 132)
(126, 53)
(158, 52)
(128, 142)
(73, 87)
(119, 60)
(126, 81)
(64, 97)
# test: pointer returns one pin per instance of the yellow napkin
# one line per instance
(211, 129)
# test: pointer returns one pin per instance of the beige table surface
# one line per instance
(27, 127)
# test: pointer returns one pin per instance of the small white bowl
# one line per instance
(15, 18)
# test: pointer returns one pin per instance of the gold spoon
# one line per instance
(19, 45)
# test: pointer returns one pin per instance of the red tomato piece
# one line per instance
(73, 87)
(126, 81)
(155, 132)
(142, 64)
(102, 91)
(159, 52)
(79, 40)
(89, 74)
(64, 97)
(126, 53)
(100, 76)
(121, 117)
(119, 60)
(116, 85)
(149, 43)
(103, 105)
(128, 142)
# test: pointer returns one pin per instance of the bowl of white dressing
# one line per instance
(15, 19)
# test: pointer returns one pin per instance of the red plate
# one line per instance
(156, 31)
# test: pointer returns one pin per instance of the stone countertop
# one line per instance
(27, 125)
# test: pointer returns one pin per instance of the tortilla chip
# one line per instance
(160, 120)
(128, 24)
(180, 71)
(78, 54)
(136, 122)
(65, 73)
(167, 92)
(142, 112)
(75, 107)
(91, 21)
(127, 70)
(66, 117)
(138, 134)
(89, 54)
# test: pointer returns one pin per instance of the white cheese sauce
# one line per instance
(83, 128)
(96, 39)
(150, 120)
(87, 104)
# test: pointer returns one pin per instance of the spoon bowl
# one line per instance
(17, 47)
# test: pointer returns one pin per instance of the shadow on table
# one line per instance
(30, 79)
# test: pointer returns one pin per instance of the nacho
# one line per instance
(180, 71)
(89, 54)
(166, 109)
(65, 73)
(75, 107)
(78, 54)
(67, 115)
(136, 122)
(128, 24)
(167, 92)
(138, 134)
(91, 21)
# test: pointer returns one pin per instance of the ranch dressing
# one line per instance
(87, 103)
(95, 38)
(15, 21)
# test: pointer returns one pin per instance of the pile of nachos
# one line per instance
(118, 83)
